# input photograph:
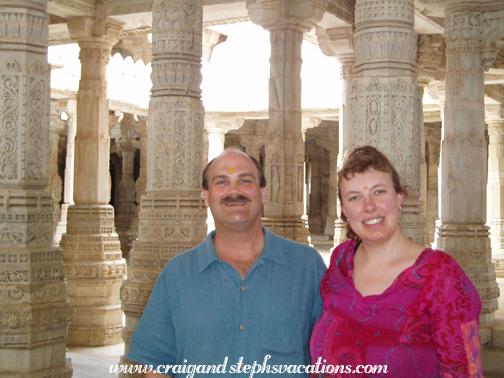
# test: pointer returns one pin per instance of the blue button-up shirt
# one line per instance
(201, 312)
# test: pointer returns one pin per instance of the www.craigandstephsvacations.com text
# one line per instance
(256, 368)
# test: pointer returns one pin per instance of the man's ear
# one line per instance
(204, 195)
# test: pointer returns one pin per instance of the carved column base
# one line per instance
(290, 228)
(413, 222)
(169, 224)
(34, 310)
(340, 231)
(469, 245)
(64, 371)
(95, 273)
(122, 224)
(329, 227)
(497, 232)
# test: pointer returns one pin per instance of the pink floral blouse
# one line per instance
(424, 325)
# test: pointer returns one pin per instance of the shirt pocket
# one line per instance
(283, 330)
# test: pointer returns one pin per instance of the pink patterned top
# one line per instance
(424, 325)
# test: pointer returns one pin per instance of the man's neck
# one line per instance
(239, 248)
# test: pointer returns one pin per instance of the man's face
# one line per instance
(233, 194)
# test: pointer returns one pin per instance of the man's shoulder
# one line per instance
(291, 247)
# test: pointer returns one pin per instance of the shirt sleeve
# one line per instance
(153, 342)
(453, 307)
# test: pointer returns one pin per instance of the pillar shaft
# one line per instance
(126, 206)
(172, 213)
(34, 311)
(91, 248)
(68, 106)
(385, 98)
(55, 185)
(496, 189)
(462, 232)
(286, 20)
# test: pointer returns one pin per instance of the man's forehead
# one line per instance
(233, 162)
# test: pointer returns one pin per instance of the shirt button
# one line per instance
(243, 288)
(241, 326)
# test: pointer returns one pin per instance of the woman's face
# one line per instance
(371, 205)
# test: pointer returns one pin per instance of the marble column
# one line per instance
(125, 207)
(216, 138)
(495, 187)
(91, 248)
(141, 182)
(55, 186)
(69, 106)
(315, 195)
(338, 42)
(172, 213)
(34, 310)
(462, 232)
(385, 98)
(432, 155)
(287, 21)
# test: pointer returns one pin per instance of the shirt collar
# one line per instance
(272, 250)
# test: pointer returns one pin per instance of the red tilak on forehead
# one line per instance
(365, 187)
(230, 170)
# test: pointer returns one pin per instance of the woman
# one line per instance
(387, 300)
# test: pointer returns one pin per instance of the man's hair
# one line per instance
(260, 170)
(363, 159)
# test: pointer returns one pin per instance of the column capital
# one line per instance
(303, 14)
(431, 58)
(337, 43)
(89, 31)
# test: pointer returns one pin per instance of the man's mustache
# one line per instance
(238, 198)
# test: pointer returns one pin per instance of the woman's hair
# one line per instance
(363, 159)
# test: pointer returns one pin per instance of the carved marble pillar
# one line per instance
(70, 108)
(385, 99)
(315, 195)
(141, 182)
(91, 248)
(125, 208)
(286, 20)
(462, 232)
(34, 311)
(495, 187)
(432, 154)
(430, 67)
(55, 186)
(216, 138)
(338, 42)
(172, 213)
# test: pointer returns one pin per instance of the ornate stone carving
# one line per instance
(172, 214)
(34, 310)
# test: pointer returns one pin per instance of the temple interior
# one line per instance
(110, 109)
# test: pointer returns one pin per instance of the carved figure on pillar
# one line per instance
(34, 308)
(172, 213)
(91, 248)
(284, 161)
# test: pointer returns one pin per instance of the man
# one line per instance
(240, 296)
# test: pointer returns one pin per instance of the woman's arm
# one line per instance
(453, 307)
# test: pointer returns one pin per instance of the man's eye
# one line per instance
(245, 181)
(380, 191)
